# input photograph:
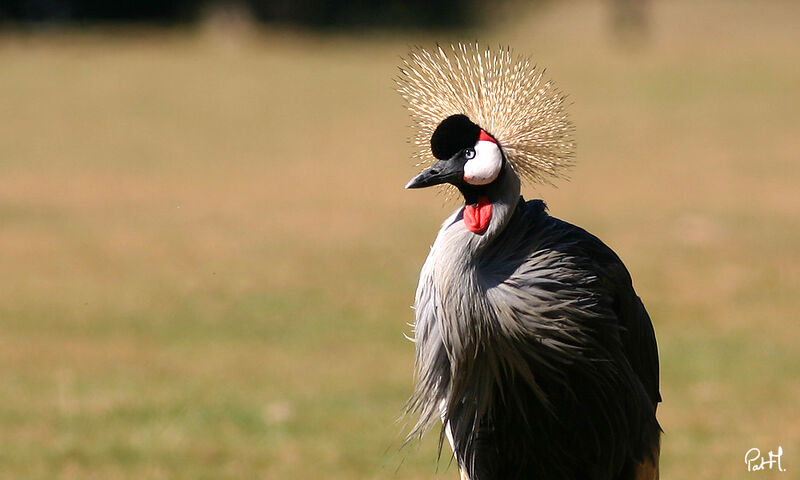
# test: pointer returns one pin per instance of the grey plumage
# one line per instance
(506, 323)
(532, 347)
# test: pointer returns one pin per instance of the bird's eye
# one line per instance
(469, 153)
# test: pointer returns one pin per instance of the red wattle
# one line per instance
(476, 217)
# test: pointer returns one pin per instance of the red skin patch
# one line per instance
(486, 137)
(476, 217)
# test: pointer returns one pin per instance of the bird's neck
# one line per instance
(503, 194)
(457, 250)
(453, 279)
(453, 264)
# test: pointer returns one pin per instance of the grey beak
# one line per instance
(440, 172)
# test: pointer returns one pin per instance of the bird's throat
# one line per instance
(477, 215)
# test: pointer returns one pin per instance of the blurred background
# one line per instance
(207, 257)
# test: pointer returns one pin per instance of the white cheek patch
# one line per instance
(485, 167)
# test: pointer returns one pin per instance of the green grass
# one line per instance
(207, 257)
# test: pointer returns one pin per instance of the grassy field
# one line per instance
(207, 257)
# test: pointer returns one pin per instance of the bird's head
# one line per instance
(467, 156)
(483, 117)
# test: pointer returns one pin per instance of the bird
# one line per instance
(533, 351)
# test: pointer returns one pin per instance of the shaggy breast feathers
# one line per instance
(539, 348)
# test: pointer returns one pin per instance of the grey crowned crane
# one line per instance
(532, 347)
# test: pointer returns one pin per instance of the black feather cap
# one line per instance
(454, 134)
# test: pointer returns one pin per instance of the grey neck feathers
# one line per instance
(455, 255)
(504, 195)
(453, 311)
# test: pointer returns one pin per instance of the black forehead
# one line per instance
(454, 134)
